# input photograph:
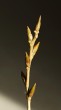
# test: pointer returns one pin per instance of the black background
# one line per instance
(46, 65)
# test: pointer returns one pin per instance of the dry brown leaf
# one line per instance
(38, 24)
(32, 90)
(35, 48)
(38, 27)
(23, 77)
(27, 60)
(30, 37)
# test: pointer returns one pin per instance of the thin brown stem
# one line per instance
(28, 78)
(28, 69)
(29, 104)
(29, 58)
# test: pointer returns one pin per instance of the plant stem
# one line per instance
(29, 103)
(28, 69)
(29, 58)
(28, 78)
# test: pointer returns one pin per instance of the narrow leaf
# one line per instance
(27, 60)
(32, 91)
(38, 25)
(30, 37)
(23, 77)
(35, 48)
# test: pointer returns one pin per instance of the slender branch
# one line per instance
(29, 58)
(29, 104)
(28, 78)
(28, 69)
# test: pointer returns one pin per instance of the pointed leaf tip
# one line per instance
(27, 59)
(35, 48)
(40, 18)
(30, 37)
(38, 26)
(23, 77)
(32, 91)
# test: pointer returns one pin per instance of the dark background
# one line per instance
(46, 65)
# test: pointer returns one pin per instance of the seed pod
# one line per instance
(35, 48)
(23, 77)
(30, 37)
(32, 91)
(27, 60)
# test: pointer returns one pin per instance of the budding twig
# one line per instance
(29, 57)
